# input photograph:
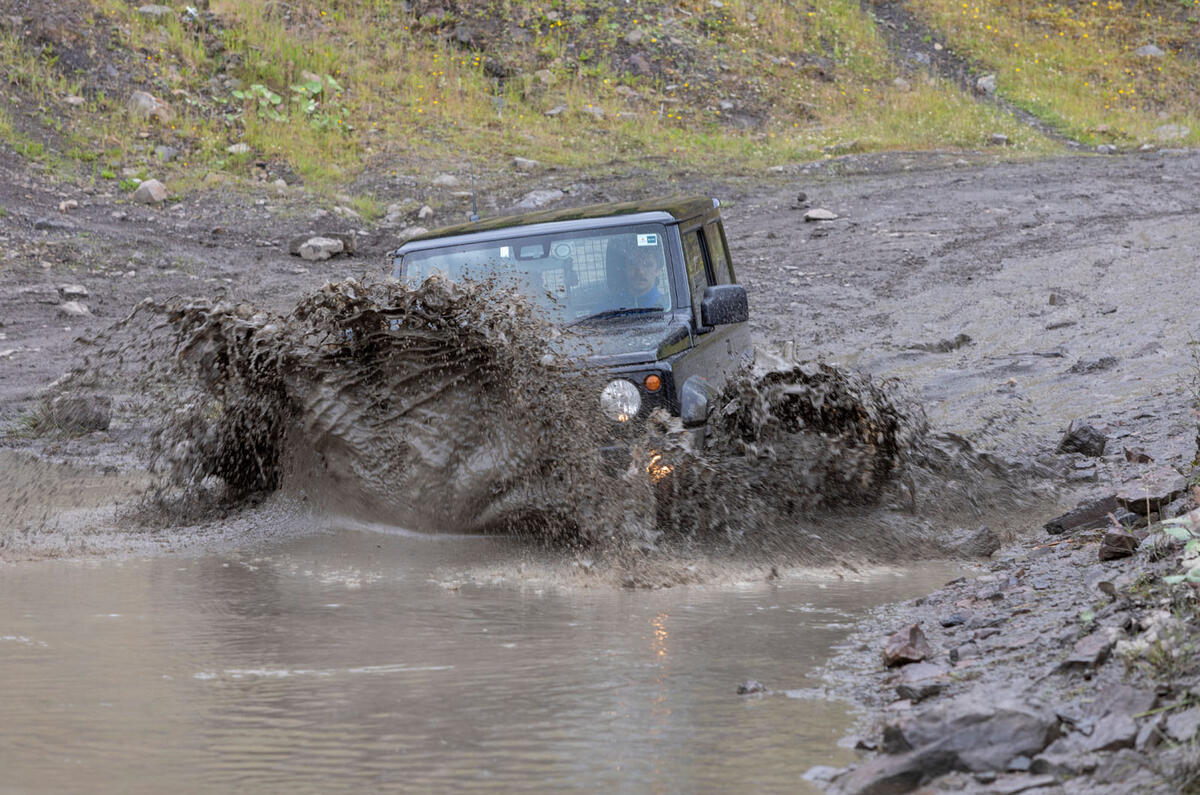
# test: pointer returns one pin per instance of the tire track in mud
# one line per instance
(906, 37)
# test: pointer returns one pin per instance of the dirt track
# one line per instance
(1048, 267)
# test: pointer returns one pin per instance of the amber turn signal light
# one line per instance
(653, 383)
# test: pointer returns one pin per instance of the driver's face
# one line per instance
(642, 272)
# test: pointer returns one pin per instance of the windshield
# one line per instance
(577, 275)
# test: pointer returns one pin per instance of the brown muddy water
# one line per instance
(355, 659)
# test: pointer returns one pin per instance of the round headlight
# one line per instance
(620, 400)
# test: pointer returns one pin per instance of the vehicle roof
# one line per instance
(664, 210)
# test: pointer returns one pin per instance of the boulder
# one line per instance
(982, 732)
(820, 214)
(906, 646)
(53, 225)
(320, 248)
(751, 687)
(525, 164)
(348, 240)
(1089, 515)
(80, 413)
(884, 775)
(1149, 51)
(1151, 491)
(1084, 439)
(150, 192)
(144, 105)
(238, 149)
(425, 213)
(155, 11)
(986, 85)
(445, 181)
(1117, 544)
(72, 292)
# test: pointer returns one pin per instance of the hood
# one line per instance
(634, 339)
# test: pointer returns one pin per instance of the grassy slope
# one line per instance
(327, 88)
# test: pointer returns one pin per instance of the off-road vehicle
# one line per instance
(650, 285)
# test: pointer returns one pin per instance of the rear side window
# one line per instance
(693, 252)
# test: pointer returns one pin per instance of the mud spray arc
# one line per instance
(455, 407)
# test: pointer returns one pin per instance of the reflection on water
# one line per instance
(336, 663)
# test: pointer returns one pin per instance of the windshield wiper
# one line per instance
(611, 313)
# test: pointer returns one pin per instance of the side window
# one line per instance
(693, 252)
(716, 250)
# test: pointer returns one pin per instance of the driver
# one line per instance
(641, 276)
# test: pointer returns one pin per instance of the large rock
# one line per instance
(80, 413)
(1090, 515)
(1110, 733)
(1183, 726)
(983, 733)
(1149, 51)
(1117, 544)
(920, 681)
(885, 775)
(150, 192)
(906, 646)
(320, 248)
(820, 214)
(1083, 439)
(155, 11)
(1152, 490)
(986, 85)
(349, 241)
(144, 105)
(1093, 649)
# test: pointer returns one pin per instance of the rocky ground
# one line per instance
(1019, 301)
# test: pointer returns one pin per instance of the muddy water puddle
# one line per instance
(353, 660)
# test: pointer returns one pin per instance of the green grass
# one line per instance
(1075, 64)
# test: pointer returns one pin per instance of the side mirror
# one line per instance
(723, 304)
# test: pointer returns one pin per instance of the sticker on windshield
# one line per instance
(647, 240)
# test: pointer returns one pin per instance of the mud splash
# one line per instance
(460, 407)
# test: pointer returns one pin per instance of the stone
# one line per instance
(445, 181)
(68, 205)
(1149, 51)
(920, 681)
(906, 646)
(1092, 650)
(320, 248)
(1123, 699)
(280, 185)
(1083, 439)
(348, 241)
(634, 37)
(1106, 149)
(557, 110)
(1089, 515)
(953, 620)
(1093, 365)
(986, 85)
(539, 198)
(525, 164)
(1063, 764)
(1117, 544)
(897, 773)
(425, 213)
(901, 84)
(238, 149)
(409, 233)
(81, 413)
(166, 153)
(594, 111)
(820, 214)
(984, 732)
(640, 65)
(1112, 733)
(53, 225)
(150, 192)
(1182, 726)
(751, 687)
(346, 212)
(74, 101)
(155, 11)
(998, 139)
(144, 105)
(1148, 737)
(72, 292)
(981, 542)
(1171, 132)
(1151, 491)
(74, 309)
